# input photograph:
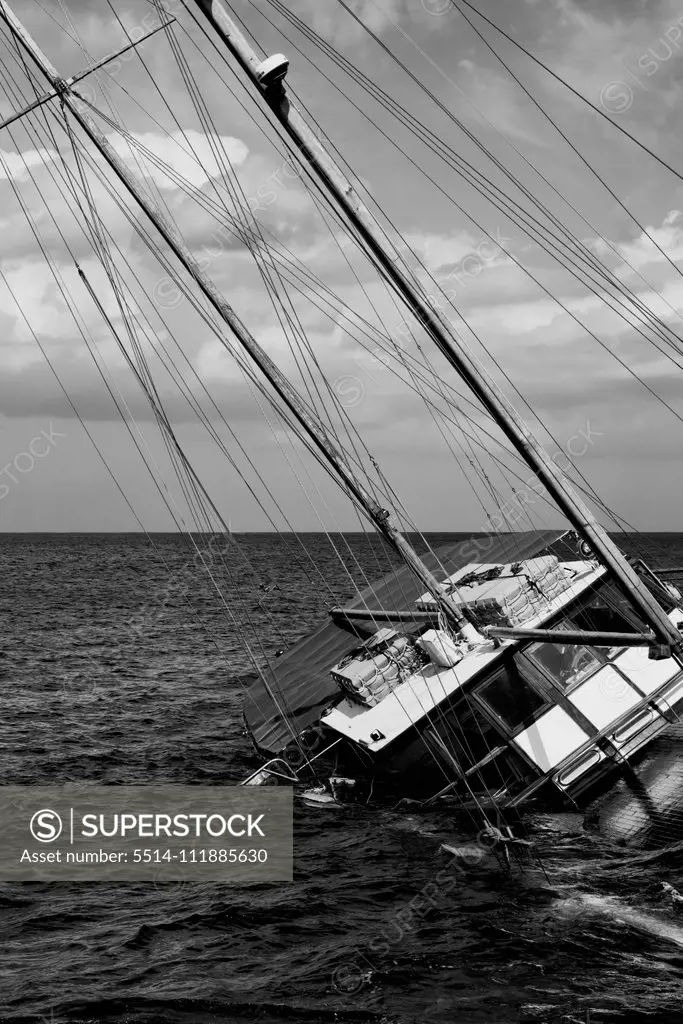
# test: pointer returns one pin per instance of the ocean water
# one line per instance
(121, 662)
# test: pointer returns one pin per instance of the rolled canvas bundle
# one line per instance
(514, 595)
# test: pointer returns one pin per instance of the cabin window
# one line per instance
(566, 664)
(608, 612)
(510, 697)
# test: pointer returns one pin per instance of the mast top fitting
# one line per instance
(272, 70)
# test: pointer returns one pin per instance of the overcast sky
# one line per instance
(623, 55)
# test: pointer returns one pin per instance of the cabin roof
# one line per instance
(300, 680)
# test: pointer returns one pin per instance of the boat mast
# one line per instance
(268, 78)
(305, 417)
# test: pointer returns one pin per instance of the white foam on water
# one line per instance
(612, 907)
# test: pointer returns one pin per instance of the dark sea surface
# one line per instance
(120, 663)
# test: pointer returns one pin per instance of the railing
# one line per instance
(292, 777)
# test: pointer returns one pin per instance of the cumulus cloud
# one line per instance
(191, 154)
(17, 165)
(340, 26)
(565, 375)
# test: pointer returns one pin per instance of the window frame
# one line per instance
(527, 653)
(494, 717)
(614, 600)
(604, 655)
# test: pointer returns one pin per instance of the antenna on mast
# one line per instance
(442, 332)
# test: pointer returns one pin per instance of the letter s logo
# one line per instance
(46, 826)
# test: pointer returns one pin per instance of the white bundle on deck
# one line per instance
(521, 591)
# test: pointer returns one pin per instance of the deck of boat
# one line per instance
(300, 682)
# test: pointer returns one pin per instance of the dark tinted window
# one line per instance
(566, 664)
(608, 612)
(511, 698)
(599, 615)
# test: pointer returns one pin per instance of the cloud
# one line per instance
(191, 154)
(641, 252)
(339, 26)
(16, 166)
(495, 103)
(566, 376)
(615, 10)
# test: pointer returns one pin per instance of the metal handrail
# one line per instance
(266, 768)
(293, 777)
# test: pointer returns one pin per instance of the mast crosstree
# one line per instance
(75, 79)
(310, 423)
(268, 79)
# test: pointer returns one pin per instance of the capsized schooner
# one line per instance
(552, 714)
(574, 683)
(503, 671)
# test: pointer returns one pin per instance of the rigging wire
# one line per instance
(575, 92)
(470, 174)
(617, 519)
(275, 293)
(428, 745)
(89, 434)
(93, 216)
(478, 143)
(252, 97)
(322, 213)
(571, 145)
(208, 424)
(313, 196)
(463, 397)
(203, 504)
(70, 305)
